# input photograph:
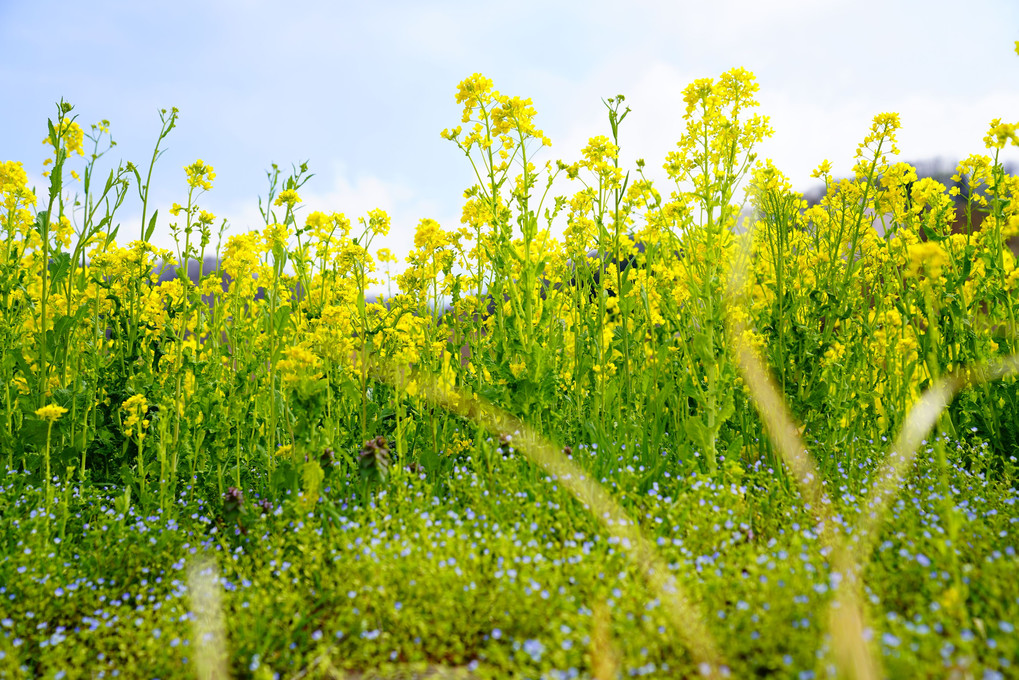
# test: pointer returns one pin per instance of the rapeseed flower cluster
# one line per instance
(630, 317)
(200, 175)
(134, 409)
(71, 134)
(51, 412)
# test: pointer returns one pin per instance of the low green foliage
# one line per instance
(503, 577)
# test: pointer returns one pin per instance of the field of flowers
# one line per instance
(710, 430)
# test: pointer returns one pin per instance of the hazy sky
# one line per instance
(362, 90)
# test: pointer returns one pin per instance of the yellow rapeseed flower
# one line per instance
(1000, 134)
(200, 175)
(288, 197)
(429, 235)
(14, 186)
(927, 257)
(135, 407)
(276, 236)
(378, 222)
(823, 169)
(50, 413)
(72, 135)
(477, 89)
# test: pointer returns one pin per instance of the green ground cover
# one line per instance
(503, 579)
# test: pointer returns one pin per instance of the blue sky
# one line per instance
(362, 90)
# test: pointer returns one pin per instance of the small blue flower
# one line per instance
(890, 640)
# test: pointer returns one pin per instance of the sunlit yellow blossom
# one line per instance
(822, 170)
(429, 235)
(241, 258)
(134, 409)
(517, 115)
(317, 221)
(1001, 134)
(200, 175)
(877, 145)
(600, 155)
(298, 360)
(894, 197)
(72, 135)
(927, 258)
(288, 197)
(476, 88)
(378, 222)
(14, 186)
(63, 232)
(722, 117)
(51, 412)
(276, 236)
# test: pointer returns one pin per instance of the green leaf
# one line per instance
(111, 236)
(59, 265)
(726, 411)
(732, 452)
(697, 432)
(62, 327)
(281, 318)
(33, 431)
(703, 348)
(52, 133)
(279, 254)
(152, 226)
(42, 222)
(57, 176)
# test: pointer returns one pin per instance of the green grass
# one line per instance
(501, 578)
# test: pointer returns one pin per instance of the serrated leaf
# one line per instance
(59, 266)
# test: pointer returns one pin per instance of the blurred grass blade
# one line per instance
(208, 635)
(604, 655)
